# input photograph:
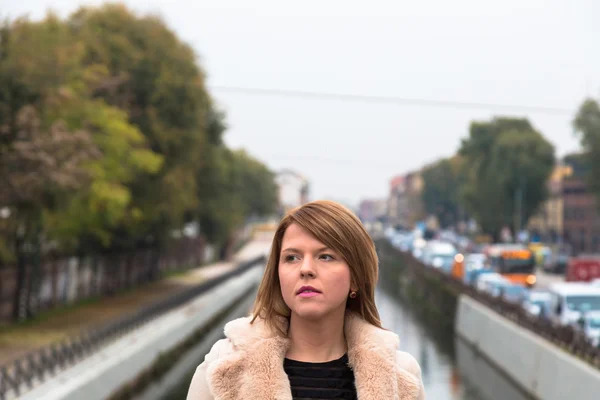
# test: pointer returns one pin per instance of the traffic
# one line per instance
(517, 272)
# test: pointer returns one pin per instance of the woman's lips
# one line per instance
(308, 294)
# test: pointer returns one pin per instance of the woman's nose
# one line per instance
(308, 268)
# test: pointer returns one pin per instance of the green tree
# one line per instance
(259, 191)
(442, 188)
(231, 187)
(42, 66)
(508, 164)
(124, 144)
(587, 126)
(66, 156)
(34, 170)
(155, 79)
(93, 212)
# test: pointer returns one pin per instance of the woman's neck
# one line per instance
(316, 340)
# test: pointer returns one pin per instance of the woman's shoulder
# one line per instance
(240, 333)
(408, 363)
(221, 348)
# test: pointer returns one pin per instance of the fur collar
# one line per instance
(255, 368)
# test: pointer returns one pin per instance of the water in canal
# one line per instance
(450, 372)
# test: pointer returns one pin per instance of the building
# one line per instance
(547, 224)
(397, 201)
(293, 189)
(581, 219)
(372, 210)
(404, 202)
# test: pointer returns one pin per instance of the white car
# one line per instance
(538, 302)
(475, 261)
(590, 324)
(439, 254)
(571, 300)
(484, 281)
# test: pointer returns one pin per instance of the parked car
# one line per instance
(473, 276)
(589, 323)
(583, 268)
(488, 282)
(537, 303)
(511, 292)
(440, 255)
(571, 300)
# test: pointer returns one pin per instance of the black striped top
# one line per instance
(320, 381)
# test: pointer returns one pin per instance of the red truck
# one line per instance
(583, 268)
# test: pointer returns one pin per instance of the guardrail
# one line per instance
(566, 337)
(44, 363)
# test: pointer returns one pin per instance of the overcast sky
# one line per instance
(511, 52)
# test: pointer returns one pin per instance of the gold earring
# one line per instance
(352, 294)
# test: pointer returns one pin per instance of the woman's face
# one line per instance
(306, 262)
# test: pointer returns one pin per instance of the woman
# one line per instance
(314, 332)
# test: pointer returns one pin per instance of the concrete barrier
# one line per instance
(538, 367)
(99, 375)
(484, 380)
(175, 383)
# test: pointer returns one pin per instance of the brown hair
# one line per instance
(339, 229)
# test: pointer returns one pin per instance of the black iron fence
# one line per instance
(50, 281)
(46, 362)
(571, 340)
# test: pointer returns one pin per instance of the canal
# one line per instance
(450, 369)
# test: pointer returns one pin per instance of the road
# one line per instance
(545, 279)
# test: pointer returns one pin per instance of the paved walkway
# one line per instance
(17, 341)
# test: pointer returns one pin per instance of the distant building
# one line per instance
(372, 210)
(397, 201)
(293, 189)
(548, 222)
(581, 219)
(404, 206)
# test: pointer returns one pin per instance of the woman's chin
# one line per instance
(309, 312)
(313, 312)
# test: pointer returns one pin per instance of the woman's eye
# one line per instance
(290, 258)
(327, 257)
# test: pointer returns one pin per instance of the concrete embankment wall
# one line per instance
(175, 383)
(538, 367)
(100, 375)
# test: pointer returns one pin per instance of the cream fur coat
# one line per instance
(248, 364)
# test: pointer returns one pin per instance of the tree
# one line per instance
(232, 186)
(37, 167)
(441, 191)
(65, 155)
(93, 212)
(587, 126)
(259, 191)
(109, 139)
(508, 164)
(155, 79)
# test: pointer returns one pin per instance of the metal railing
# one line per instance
(41, 364)
(571, 340)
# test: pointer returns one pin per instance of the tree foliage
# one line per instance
(508, 164)
(587, 126)
(110, 140)
(441, 191)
